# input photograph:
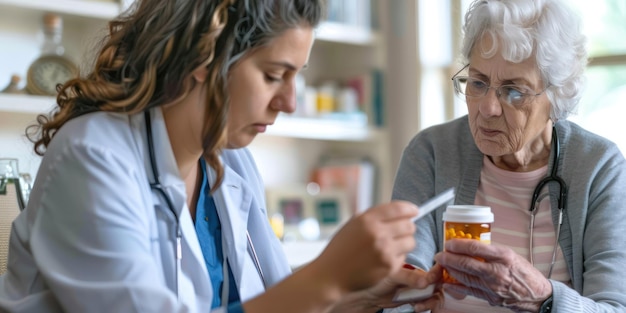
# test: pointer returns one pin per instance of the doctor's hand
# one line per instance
(369, 247)
(381, 295)
(504, 278)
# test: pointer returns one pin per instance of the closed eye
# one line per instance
(273, 79)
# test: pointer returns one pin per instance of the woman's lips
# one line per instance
(489, 132)
(261, 128)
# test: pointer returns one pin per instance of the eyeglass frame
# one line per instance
(527, 96)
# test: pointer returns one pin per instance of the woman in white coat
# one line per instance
(123, 216)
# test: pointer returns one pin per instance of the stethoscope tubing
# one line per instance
(156, 185)
(553, 177)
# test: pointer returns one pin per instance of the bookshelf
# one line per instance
(94, 14)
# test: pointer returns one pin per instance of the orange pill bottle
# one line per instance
(467, 222)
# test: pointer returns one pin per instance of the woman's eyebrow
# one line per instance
(514, 80)
(288, 65)
(284, 64)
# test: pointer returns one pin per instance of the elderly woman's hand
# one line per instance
(504, 278)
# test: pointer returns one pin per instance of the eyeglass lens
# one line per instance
(510, 94)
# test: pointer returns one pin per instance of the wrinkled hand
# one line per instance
(503, 279)
(381, 295)
(370, 246)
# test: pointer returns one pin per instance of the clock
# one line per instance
(47, 72)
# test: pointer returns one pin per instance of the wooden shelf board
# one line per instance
(285, 126)
(26, 103)
(347, 34)
(322, 129)
(87, 8)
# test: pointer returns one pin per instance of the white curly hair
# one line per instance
(549, 30)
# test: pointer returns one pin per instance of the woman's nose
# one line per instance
(489, 104)
(285, 99)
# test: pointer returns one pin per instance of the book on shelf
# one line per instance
(378, 110)
(369, 88)
(353, 176)
(356, 13)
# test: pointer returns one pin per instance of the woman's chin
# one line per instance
(240, 142)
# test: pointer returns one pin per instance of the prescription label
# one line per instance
(485, 237)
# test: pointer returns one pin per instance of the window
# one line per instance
(438, 54)
(602, 107)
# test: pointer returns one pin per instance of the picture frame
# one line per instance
(292, 202)
(332, 210)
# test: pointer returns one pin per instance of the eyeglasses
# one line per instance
(514, 95)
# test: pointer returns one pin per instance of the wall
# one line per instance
(399, 24)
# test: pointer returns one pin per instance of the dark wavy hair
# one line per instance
(150, 51)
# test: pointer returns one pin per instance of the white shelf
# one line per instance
(326, 31)
(88, 8)
(26, 103)
(285, 126)
(322, 129)
(106, 10)
(346, 34)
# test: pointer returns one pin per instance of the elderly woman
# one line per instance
(516, 153)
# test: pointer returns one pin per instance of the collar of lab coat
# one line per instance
(233, 201)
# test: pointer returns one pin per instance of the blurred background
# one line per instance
(379, 73)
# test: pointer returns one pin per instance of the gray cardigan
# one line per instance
(593, 234)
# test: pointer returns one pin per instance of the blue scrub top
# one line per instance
(209, 232)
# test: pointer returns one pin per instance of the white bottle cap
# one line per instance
(468, 214)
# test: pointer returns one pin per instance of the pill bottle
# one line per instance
(468, 222)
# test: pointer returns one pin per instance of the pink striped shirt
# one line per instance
(509, 194)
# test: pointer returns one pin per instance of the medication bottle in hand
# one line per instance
(467, 222)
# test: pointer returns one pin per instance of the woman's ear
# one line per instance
(200, 74)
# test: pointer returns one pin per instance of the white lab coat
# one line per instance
(95, 238)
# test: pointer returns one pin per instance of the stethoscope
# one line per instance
(158, 187)
(553, 177)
